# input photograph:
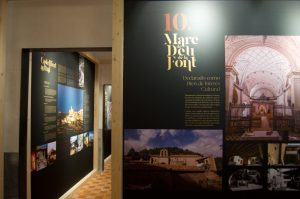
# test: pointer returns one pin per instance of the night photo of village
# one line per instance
(70, 109)
(172, 160)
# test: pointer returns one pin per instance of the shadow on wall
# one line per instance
(11, 163)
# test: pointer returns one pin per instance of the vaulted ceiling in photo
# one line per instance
(263, 62)
(262, 68)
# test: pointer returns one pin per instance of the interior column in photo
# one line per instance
(239, 100)
(240, 90)
(231, 74)
(295, 95)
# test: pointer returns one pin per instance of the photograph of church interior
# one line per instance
(262, 87)
(286, 154)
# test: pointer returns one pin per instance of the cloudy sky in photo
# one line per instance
(206, 142)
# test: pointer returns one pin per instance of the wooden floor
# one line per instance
(98, 186)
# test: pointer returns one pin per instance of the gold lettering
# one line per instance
(46, 65)
(180, 53)
(168, 38)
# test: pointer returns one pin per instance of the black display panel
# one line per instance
(220, 74)
(62, 119)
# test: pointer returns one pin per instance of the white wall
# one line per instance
(48, 24)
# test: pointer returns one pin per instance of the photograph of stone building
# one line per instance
(262, 87)
(178, 160)
(195, 160)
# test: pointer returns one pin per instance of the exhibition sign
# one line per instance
(62, 121)
(210, 101)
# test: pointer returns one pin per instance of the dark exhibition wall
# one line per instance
(62, 121)
(212, 21)
(211, 93)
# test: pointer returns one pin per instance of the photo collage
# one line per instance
(43, 156)
(81, 141)
(262, 138)
(262, 166)
(70, 107)
(70, 98)
(69, 113)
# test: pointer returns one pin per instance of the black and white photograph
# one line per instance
(107, 106)
(244, 154)
(73, 144)
(80, 142)
(245, 180)
(284, 179)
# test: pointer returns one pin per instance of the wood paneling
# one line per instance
(96, 117)
(28, 155)
(117, 98)
(3, 11)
